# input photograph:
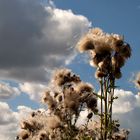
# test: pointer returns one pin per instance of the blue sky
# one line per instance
(34, 42)
(122, 17)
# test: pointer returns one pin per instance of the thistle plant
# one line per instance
(67, 96)
(109, 53)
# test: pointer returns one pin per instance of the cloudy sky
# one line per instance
(37, 37)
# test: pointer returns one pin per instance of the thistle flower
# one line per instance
(26, 125)
(60, 98)
(101, 46)
(91, 102)
(89, 116)
(105, 65)
(71, 105)
(118, 60)
(71, 94)
(121, 134)
(93, 64)
(97, 31)
(100, 74)
(71, 100)
(24, 135)
(43, 135)
(125, 50)
(63, 76)
(47, 98)
(53, 122)
(85, 44)
(117, 73)
(83, 87)
(117, 42)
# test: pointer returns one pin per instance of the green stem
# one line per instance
(112, 82)
(106, 109)
(101, 84)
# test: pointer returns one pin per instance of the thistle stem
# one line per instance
(106, 109)
(101, 84)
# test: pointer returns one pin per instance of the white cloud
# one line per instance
(9, 120)
(35, 38)
(126, 101)
(128, 119)
(34, 90)
(7, 91)
(127, 110)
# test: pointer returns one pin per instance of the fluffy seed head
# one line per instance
(53, 122)
(43, 135)
(117, 73)
(24, 134)
(125, 50)
(46, 97)
(100, 74)
(64, 76)
(97, 31)
(91, 102)
(118, 61)
(85, 44)
(83, 87)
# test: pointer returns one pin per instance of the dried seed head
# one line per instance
(102, 47)
(97, 31)
(61, 76)
(60, 98)
(53, 122)
(85, 44)
(64, 76)
(24, 135)
(56, 94)
(46, 97)
(117, 45)
(25, 125)
(92, 63)
(125, 50)
(33, 114)
(105, 65)
(89, 116)
(117, 73)
(91, 102)
(118, 60)
(100, 74)
(43, 136)
(83, 87)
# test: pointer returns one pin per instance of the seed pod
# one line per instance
(89, 116)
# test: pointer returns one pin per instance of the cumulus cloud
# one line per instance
(127, 109)
(34, 90)
(126, 102)
(9, 120)
(7, 91)
(35, 39)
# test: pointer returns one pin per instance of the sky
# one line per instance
(37, 37)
